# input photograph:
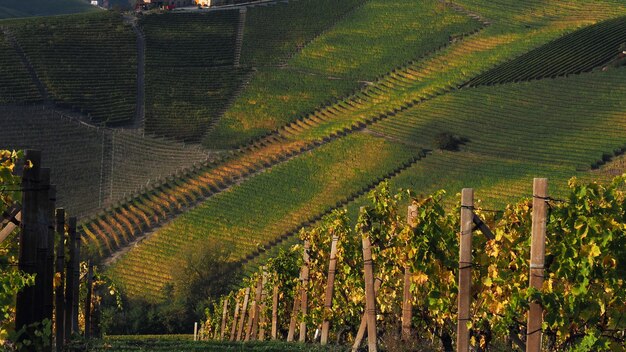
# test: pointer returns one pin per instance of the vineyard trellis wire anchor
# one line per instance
(10, 215)
(479, 223)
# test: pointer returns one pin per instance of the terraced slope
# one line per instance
(16, 85)
(175, 196)
(190, 76)
(581, 51)
(261, 211)
(555, 128)
(347, 56)
(406, 87)
(87, 62)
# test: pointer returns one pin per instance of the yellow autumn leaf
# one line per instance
(594, 251)
(419, 278)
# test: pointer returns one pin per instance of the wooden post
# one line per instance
(60, 300)
(88, 301)
(76, 273)
(195, 331)
(262, 309)
(330, 286)
(233, 328)
(537, 258)
(243, 313)
(257, 307)
(370, 295)
(69, 280)
(224, 313)
(49, 279)
(304, 290)
(44, 222)
(294, 317)
(30, 229)
(361, 332)
(465, 271)
(250, 321)
(407, 306)
(275, 312)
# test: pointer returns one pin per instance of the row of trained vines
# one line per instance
(425, 284)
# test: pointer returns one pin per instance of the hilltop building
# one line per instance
(176, 3)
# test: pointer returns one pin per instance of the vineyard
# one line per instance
(412, 279)
(87, 64)
(203, 148)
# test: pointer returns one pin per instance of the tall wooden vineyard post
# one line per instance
(69, 280)
(33, 242)
(233, 328)
(361, 332)
(251, 315)
(537, 259)
(370, 295)
(224, 315)
(465, 269)
(44, 222)
(76, 273)
(330, 286)
(49, 274)
(256, 308)
(262, 317)
(242, 318)
(304, 290)
(275, 312)
(60, 300)
(407, 300)
(294, 315)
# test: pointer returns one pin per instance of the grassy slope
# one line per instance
(370, 41)
(175, 343)
(23, 8)
(553, 128)
(519, 30)
(262, 209)
(441, 72)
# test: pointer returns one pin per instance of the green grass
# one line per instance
(259, 211)
(370, 41)
(28, 8)
(156, 343)
(87, 62)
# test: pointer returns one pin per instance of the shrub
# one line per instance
(449, 141)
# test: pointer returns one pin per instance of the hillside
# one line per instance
(260, 120)
(396, 102)
(20, 8)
